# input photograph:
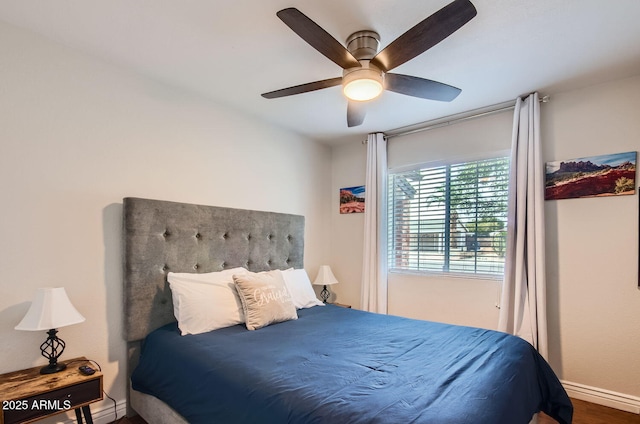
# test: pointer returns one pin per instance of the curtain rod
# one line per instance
(453, 119)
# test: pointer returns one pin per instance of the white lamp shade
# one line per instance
(325, 276)
(50, 309)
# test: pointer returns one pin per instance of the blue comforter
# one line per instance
(338, 365)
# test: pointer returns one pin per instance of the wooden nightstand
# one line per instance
(28, 396)
(342, 305)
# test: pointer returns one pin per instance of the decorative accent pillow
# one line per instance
(265, 298)
(299, 286)
(207, 301)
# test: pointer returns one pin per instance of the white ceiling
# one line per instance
(231, 51)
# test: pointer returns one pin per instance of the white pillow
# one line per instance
(299, 286)
(207, 301)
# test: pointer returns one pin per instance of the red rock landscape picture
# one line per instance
(606, 175)
(352, 199)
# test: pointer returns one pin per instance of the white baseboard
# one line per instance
(603, 397)
(108, 413)
(104, 415)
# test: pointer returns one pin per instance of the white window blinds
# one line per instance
(449, 218)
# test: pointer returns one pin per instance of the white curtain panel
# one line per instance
(374, 266)
(523, 310)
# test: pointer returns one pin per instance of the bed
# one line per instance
(327, 364)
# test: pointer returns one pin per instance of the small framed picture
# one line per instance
(352, 199)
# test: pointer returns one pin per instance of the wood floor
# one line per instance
(589, 413)
(583, 413)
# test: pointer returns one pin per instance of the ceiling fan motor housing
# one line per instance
(363, 44)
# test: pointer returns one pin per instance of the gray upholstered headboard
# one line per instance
(162, 236)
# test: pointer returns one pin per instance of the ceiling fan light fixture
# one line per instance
(366, 70)
(362, 84)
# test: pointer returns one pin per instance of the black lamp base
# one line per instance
(51, 349)
(52, 369)
(324, 294)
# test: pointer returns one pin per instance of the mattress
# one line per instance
(339, 365)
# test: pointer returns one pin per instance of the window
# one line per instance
(449, 218)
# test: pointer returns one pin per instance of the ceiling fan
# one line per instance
(365, 70)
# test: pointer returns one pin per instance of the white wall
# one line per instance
(78, 135)
(348, 164)
(592, 244)
(458, 300)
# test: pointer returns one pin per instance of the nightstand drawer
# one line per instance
(52, 402)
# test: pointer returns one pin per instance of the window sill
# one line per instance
(452, 275)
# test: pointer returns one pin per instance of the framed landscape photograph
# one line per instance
(352, 199)
(596, 176)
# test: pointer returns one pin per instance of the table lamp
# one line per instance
(325, 278)
(51, 309)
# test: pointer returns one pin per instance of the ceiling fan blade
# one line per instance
(356, 111)
(425, 35)
(303, 88)
(317, 37)
(420, 87)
